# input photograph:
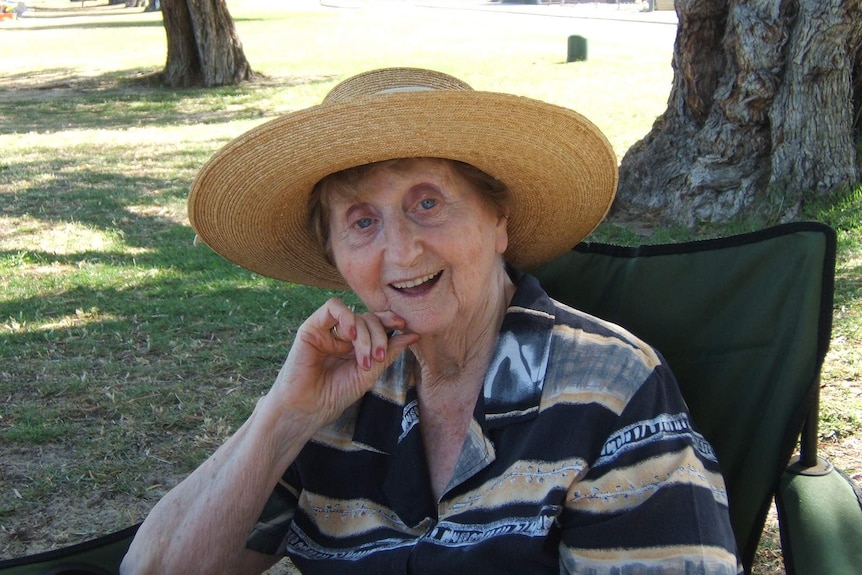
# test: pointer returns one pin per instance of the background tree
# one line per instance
(763, 115)
(203, 46)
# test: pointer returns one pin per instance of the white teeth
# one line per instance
(416, 282)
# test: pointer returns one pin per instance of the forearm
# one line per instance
(201, 526)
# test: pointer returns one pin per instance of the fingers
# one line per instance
(339, 319)
(336, 357)
(365, 335)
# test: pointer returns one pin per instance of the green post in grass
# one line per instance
(577, 49)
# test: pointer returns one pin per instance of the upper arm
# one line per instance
(653, 497)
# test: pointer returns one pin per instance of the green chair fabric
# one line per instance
(821, 530)
(743, 321)
(101, 556)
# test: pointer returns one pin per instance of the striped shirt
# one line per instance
(580, 458)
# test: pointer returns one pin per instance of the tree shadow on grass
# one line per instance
(158, 315)
(143, 303)
(145, 339)
(139, 208)
(149, 269)
(56, 100)
(118, 334)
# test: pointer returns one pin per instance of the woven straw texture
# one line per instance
(249, 202)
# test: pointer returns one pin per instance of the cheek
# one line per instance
(352, 270)
(491, 239)
(477, 257)
(345, 262)
(363, 280)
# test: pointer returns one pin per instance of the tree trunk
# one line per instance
(203, 46)
(763, 113)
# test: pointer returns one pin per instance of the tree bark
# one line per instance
(763, 113)
(203, 46)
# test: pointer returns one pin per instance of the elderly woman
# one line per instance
(465, 422)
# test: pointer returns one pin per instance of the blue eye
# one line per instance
(363, 223)
(428, 203)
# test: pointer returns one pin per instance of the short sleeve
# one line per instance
(654, 499)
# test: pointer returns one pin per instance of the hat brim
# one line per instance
(249, 203)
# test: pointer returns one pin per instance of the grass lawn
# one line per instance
(126, 354)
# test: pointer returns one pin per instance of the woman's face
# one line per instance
(419, 240)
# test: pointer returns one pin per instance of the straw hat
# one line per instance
(249, 202)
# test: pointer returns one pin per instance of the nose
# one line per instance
(403, 241)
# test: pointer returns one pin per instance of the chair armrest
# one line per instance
(100, 556)
(820, 516)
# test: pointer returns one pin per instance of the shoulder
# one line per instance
(595, 361)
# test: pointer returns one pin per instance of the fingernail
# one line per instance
(366, 362)
(380, 353)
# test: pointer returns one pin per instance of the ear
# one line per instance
(502, 231)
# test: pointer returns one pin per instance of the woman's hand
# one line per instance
(336, 358)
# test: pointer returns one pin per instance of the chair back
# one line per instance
(744, 322)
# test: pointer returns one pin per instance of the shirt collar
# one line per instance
(513, 382)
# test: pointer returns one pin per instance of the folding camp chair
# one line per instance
(745, 323)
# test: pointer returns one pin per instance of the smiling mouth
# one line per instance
(424, 281)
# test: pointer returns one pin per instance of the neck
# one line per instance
(462, 354)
